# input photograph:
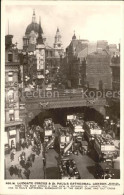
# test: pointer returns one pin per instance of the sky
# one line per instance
(92, 22)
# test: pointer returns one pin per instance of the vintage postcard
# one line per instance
(61, 78)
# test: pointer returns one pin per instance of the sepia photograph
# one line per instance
(61, 78)
(62, 92)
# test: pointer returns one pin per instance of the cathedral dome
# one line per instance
(33, 27)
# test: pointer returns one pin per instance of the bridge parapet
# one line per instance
(62, 103)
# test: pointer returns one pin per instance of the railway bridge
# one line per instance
(53, 100)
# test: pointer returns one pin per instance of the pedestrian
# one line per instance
(22, 163)
(20, 174)
(11, 170)
(29, 162)
(37, 152)
(23, 146)
(32, 142)
(15, 170)
(33, 157)
(23, 153)
(19, 159)
(27, 173)
(23, 156)
(27, 165)
(70, 170)
(12, 156)
(44, 161)
(67, 166)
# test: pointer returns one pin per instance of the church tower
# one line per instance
(58, 48)
(40, 54)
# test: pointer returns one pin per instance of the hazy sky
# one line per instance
(89, 22)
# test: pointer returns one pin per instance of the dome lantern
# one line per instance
(33, 17)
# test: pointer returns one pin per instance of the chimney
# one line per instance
(8, 40)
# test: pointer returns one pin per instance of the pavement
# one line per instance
(36, 169)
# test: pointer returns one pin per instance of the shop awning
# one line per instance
(12, 124)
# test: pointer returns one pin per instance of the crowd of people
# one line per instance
(32, 138)
(14, 170)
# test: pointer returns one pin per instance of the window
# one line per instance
(10, 76)
(11, 95)
(11, 115)
(10, 56)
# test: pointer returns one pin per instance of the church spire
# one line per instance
(40, 38)
(33, 17)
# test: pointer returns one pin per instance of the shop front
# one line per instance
(13, 135)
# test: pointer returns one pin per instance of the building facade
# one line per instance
(72, 66)
(88, 64)
(13, 123)
(98, 71)
(115, 66)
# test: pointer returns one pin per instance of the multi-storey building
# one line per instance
(88, 64)
(13, 123)
(114, 101)
(98, 71)
(73, 68)
(115, 66)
